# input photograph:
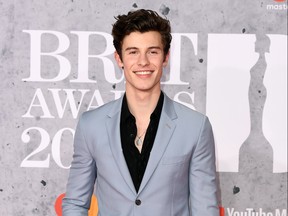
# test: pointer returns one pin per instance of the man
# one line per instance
(149, 156)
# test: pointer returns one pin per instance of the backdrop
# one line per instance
(228, 61)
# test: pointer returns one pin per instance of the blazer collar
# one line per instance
(168, 107)
(164, 133)
(165, 130)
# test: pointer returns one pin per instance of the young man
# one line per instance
(149, 156)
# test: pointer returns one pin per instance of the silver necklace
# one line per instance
(139, 140)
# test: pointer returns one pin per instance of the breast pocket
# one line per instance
(175, 160)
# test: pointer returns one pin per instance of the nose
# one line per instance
(143, 60)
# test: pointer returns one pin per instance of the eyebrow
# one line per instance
(133, 48)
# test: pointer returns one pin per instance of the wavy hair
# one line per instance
(141, 21)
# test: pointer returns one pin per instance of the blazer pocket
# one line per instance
(175, 160)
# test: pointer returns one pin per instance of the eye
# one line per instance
(132, 52)
(154, 52)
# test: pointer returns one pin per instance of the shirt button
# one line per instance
(138, 202)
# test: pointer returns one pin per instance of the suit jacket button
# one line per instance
(138, 202)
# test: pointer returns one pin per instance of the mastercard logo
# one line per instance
(92, 211)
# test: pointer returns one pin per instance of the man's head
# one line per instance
(141, 21)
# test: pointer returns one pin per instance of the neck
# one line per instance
(142, 104)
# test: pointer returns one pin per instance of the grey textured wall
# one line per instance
(36, 134)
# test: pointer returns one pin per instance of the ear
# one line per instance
(166, 59)
(118, 59)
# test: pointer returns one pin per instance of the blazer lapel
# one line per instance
(165, 130)
(113, 129)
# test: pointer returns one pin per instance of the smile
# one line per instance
(143, 72)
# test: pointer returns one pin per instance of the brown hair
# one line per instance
(142, 21)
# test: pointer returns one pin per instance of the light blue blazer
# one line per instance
(180, 178)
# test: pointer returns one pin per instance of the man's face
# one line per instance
(143, 61)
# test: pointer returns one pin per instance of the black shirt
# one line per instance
(135, 160)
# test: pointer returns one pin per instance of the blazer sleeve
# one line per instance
(202, 181)
(82, 176)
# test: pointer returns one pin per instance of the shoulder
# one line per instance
(189, 121)
(187, 112)
(103, 111)
(184, 117)
(184, 112)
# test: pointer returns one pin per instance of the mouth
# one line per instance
(143, 72)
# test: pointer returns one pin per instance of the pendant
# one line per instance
(138, 142)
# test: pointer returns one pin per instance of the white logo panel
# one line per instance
(275, 109)
(230, 58)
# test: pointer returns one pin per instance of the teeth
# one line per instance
(143, 72)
